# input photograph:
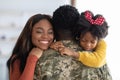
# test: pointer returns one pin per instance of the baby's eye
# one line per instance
(83, 40)
(92, 42)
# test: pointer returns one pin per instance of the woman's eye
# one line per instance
(50, 32)
(39, 31)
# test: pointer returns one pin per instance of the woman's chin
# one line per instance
(44, 48)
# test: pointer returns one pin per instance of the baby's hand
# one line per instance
(69, 52)
(66, 51)
(56, 45)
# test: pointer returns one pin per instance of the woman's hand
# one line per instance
(37, 52)
(56, 45)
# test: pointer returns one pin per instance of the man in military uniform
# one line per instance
(54, 66)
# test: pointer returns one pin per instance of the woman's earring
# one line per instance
(77, 38)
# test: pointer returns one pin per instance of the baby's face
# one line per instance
(88, 42)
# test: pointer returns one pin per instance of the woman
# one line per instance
(36, 37)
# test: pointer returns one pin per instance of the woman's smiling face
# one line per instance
(42, 34)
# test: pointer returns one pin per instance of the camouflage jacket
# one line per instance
(53, 66)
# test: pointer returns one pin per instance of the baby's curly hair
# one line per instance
(65, 17)
(84, 25)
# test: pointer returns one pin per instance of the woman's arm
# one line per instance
(28, 72)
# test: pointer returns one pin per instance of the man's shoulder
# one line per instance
(50, 52)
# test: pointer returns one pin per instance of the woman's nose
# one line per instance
(45, 35)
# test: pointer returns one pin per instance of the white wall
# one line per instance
(20, 10)
(110, 10)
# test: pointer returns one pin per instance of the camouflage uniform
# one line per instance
(53, 66)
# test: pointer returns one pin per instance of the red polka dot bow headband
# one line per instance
(98, 21)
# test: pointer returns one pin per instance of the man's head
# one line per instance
(64, 19)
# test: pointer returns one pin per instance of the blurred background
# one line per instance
(15, 13)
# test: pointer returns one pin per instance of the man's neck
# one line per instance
(64, 35)
(64, 38)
